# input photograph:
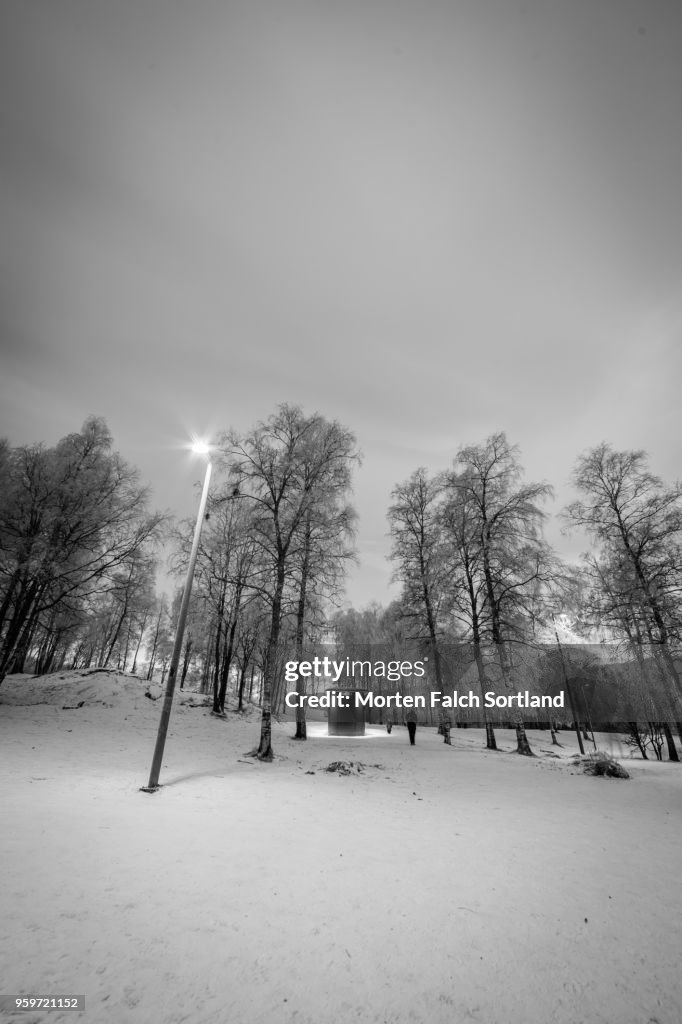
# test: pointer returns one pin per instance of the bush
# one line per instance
(600, 763)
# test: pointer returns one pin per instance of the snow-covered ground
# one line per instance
(438, 884)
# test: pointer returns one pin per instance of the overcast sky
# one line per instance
(428, 220)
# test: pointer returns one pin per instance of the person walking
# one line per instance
(411, 718)
(389, 723)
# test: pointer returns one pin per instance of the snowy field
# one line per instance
(439, 884)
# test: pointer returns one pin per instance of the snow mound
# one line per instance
(350, 767)
(84, 688)
(600, 763)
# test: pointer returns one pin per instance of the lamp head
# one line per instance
(201, 448)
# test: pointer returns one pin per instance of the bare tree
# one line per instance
(70, 516)
(324, 550)
(226, 568)
(512, 557)
(418, 552)
(285, 466)
(467, 592)
(636, 523)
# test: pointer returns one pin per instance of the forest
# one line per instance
(482, 596)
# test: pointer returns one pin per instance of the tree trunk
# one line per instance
(76, 654)
(227, 662)
(189, 644)
(126, 649)
(22, 609)
(8, 596)
(242, 683)
(522, 744)
(206, 670)
(23, 644)
(637, 736)
(217, 648)
(668, 680)
(490, 742)
(115, 636)
(301, 727)
(264, 751)
(431, 621)
(139, 642)
(155, 644)
(670, 742)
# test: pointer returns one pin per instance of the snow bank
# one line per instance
(438, 884)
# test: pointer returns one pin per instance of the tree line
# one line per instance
(470, 554)
(79, 548)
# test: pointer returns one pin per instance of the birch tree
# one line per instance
(636, 524)
(467, 591)
(324, 550)
(418, 552)
(286, 466)
(70, 517)
(505, 523)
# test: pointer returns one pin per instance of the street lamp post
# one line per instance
(153, 783)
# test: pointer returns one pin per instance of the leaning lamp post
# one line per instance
(200, 448)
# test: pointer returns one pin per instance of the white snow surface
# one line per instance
(437, 884)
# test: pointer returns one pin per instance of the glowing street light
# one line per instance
(199, 448)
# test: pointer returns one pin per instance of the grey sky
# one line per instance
(430, 220)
